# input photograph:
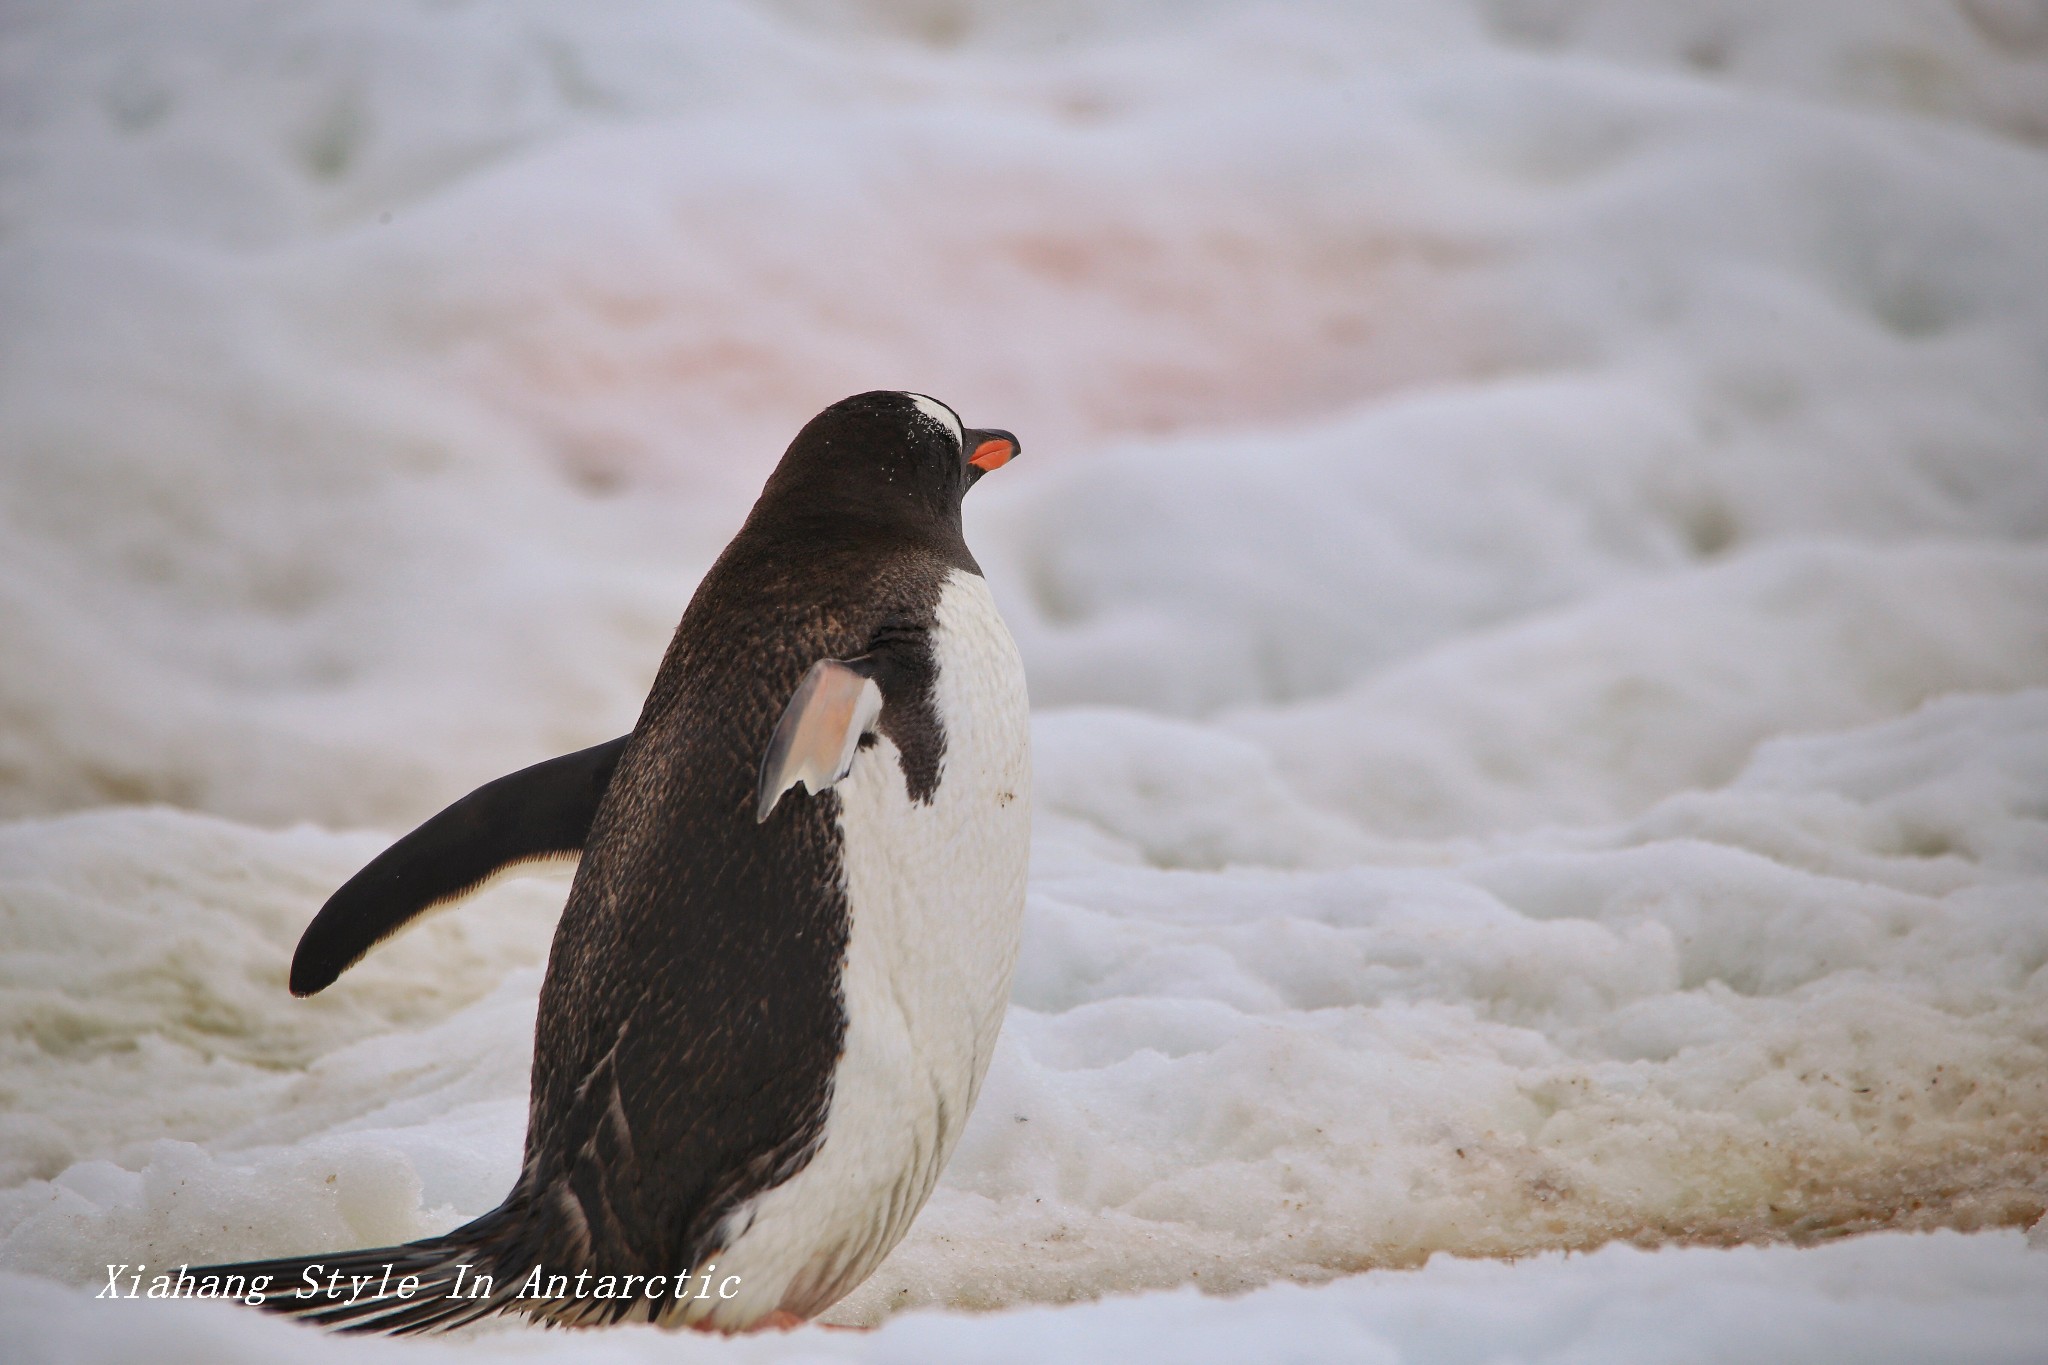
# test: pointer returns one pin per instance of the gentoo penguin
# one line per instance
(777, 981)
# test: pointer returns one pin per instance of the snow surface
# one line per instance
(1530, 559)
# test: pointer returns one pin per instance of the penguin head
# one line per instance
(899, 459)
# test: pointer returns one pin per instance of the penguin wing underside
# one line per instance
(544, 811)
(820, 731)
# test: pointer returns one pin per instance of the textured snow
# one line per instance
(1890, 1299)
(1530, 561)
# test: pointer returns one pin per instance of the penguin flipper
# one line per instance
(539, 812)
(820, 731)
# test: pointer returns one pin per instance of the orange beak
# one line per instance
(993, 453)
(991, 448)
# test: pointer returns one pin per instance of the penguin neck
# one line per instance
(793, 520)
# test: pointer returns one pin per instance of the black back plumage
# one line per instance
(691, 1018)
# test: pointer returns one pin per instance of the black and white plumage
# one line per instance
(779, 976)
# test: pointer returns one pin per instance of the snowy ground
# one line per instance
(1530, 559)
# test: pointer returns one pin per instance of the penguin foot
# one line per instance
(781, 1321)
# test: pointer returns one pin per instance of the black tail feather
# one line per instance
(485, 1266)
(358, 1291)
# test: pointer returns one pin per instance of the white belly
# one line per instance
(936, 895)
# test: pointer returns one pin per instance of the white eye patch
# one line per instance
(939, 413)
